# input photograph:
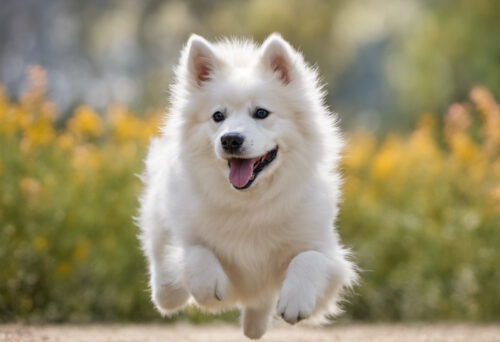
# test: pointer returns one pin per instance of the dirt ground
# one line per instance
(228, 333)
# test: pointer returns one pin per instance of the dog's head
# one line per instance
(247, 108)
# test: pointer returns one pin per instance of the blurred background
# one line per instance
(84, 85)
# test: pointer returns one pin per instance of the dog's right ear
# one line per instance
(201, 59)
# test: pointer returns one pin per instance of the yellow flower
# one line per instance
(86, 157)
(81, 250)
(3, 94)
(85, 122)
(422, 145)
(48, 110)
(456, 121)
(21, 119)
(427, 122)
(387, 158)
(30, 187)
(496, 168)
(13, 118)
(483, 99)
(125, 126)
(37, 86)
(65, 141)
(40, 243)
(495, 198)
(4, 105)
(490, 111)
(359, 150)
(463, 148)
(128, 150)
(39, 132)
(152, 124)
(63, 269)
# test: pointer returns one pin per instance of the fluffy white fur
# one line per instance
(271, 247)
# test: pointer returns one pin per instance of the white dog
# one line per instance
(241, 189)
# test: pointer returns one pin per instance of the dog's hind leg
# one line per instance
(166, 272)
(255, 320)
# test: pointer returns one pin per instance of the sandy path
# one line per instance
(227, 333)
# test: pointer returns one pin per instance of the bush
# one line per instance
(421, 212)
(423, 215)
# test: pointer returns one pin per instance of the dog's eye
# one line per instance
(218, 116)
(261, 113)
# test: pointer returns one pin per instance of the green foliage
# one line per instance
(68, 245)
(421, 213)
(453, 46)
(423, 216)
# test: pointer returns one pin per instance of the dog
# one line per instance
(241, 188)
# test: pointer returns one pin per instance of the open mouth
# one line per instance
(242, 172)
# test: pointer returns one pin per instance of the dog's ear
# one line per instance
(201, 59)
(277, 55)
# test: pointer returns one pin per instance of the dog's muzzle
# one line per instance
(243, 172)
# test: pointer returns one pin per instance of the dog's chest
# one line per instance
(249, 246)
(256, 266)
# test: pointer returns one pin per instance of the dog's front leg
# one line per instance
(205, 278)
(312, 279)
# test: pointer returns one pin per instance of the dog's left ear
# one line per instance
(278, 55)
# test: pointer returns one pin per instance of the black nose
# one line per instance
(231, 142)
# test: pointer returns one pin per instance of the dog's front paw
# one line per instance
(296, 301)
(205, 278)
(208, 287)
(168, 298)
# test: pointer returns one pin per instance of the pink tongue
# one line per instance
(240, 171)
